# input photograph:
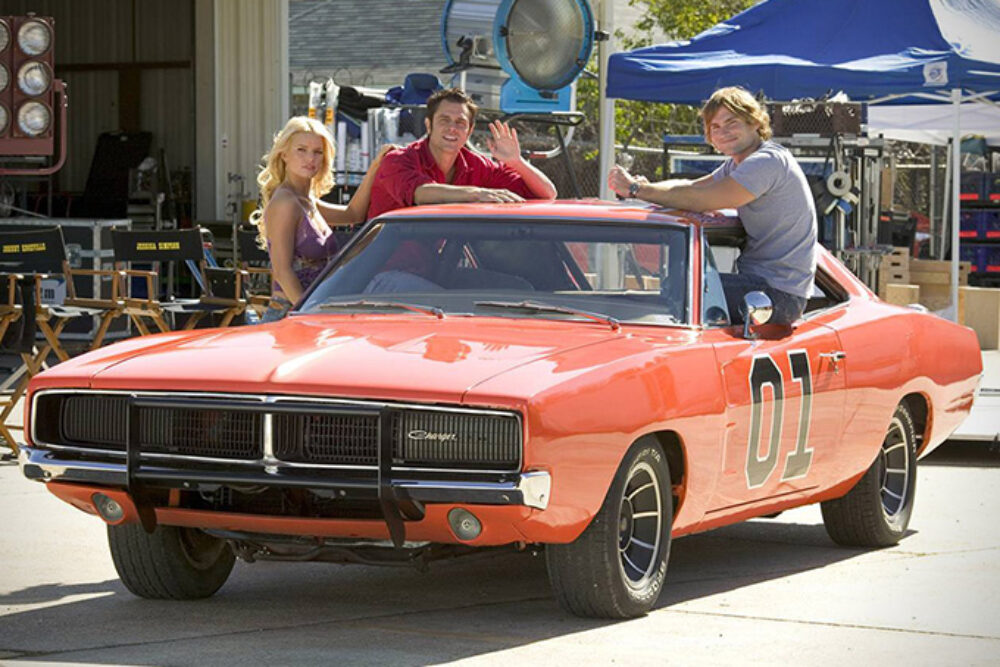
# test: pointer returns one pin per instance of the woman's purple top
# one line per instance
(313, 249)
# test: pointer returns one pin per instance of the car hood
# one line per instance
(364, 356)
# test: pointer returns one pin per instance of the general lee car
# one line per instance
(563, 375)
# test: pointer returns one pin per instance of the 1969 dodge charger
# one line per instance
(565, 376)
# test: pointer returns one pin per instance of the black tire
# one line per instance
(617, 566)
(170, 563)
(876, 512)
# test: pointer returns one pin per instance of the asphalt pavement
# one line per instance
(768, 591)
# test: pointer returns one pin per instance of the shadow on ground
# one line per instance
(965, 454)
(317, 611)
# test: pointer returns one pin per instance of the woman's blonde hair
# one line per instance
(272, 173)
(740, 103)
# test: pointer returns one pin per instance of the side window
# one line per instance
(826, 293)
(714, 311)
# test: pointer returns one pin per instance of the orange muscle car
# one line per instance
(564, 374)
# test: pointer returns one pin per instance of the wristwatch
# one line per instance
(633, 189)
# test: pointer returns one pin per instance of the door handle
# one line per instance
(834, 357)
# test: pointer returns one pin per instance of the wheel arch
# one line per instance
(672, 447)
(919, 406)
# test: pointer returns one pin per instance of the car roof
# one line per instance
(575, 209)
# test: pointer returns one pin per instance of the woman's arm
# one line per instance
(281, 218)
(357, 208)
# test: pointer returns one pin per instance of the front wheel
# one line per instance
(876, 512)
(616, 568)
(171, 563)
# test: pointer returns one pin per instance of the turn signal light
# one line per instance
(109, 509)
(464, 524)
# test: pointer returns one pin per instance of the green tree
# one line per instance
(645, 123)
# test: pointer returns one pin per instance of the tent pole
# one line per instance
(945, 202)
(932, 201)
(606, 107)
(956, 172)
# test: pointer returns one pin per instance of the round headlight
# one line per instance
(4, 78)
(33, 78)
(4, 119)
(33, 118)
(34, 37)
(4, 36)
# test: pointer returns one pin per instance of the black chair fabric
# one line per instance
(157, 246)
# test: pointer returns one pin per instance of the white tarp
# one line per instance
(934, 123)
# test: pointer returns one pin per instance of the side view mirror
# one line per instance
(757, 309)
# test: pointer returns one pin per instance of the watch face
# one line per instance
(633, 189)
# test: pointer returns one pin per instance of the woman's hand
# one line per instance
(381, 154)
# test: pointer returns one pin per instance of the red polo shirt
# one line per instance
(405, 169)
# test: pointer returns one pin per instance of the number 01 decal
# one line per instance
(764, 373)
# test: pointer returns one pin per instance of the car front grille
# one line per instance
(438, 439)
(330, 439)
(317, 433)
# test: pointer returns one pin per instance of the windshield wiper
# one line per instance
(538, 307)
(377, 305)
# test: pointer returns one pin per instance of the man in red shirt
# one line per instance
(439, 168)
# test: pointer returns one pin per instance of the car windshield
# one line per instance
(592, 271)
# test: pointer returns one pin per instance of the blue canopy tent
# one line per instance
(875, 51)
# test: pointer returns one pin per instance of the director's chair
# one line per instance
(157, 247)
(257, 264)
(27, 258)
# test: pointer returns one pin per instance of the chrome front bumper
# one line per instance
(529, 489)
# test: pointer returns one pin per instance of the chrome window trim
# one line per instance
(268, 461)
(647, 223)
(690, 277)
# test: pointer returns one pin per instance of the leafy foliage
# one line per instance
(644, 123)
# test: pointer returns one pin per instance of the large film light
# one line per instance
(27, 109)
(529, 51)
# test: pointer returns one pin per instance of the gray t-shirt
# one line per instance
(780, 222)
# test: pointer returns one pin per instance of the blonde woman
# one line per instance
(294, 224)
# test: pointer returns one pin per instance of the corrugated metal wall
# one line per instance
(115, 32)
(243, 96)
(251, 91)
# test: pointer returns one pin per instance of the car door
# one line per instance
(785, 406)
(785, 394)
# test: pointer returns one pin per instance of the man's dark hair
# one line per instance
(451, 95)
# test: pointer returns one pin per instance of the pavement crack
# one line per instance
(833, 624)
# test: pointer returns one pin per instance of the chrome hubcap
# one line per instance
(894, 470)
(640, 522)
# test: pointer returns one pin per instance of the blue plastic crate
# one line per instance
(970, 224)
(991, 186)
(972, 187)
(989, 224)
(990, 259)
(974, 255)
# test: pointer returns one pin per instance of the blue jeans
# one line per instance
(277, 308)
(787, 307)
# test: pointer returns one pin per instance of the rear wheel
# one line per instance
(876, 512)
(616, 568)
(170, 563)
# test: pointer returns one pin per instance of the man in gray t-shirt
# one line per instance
(767, 187)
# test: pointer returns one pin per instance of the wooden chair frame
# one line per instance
(167, 246)
(249, 251)
(36, 253)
